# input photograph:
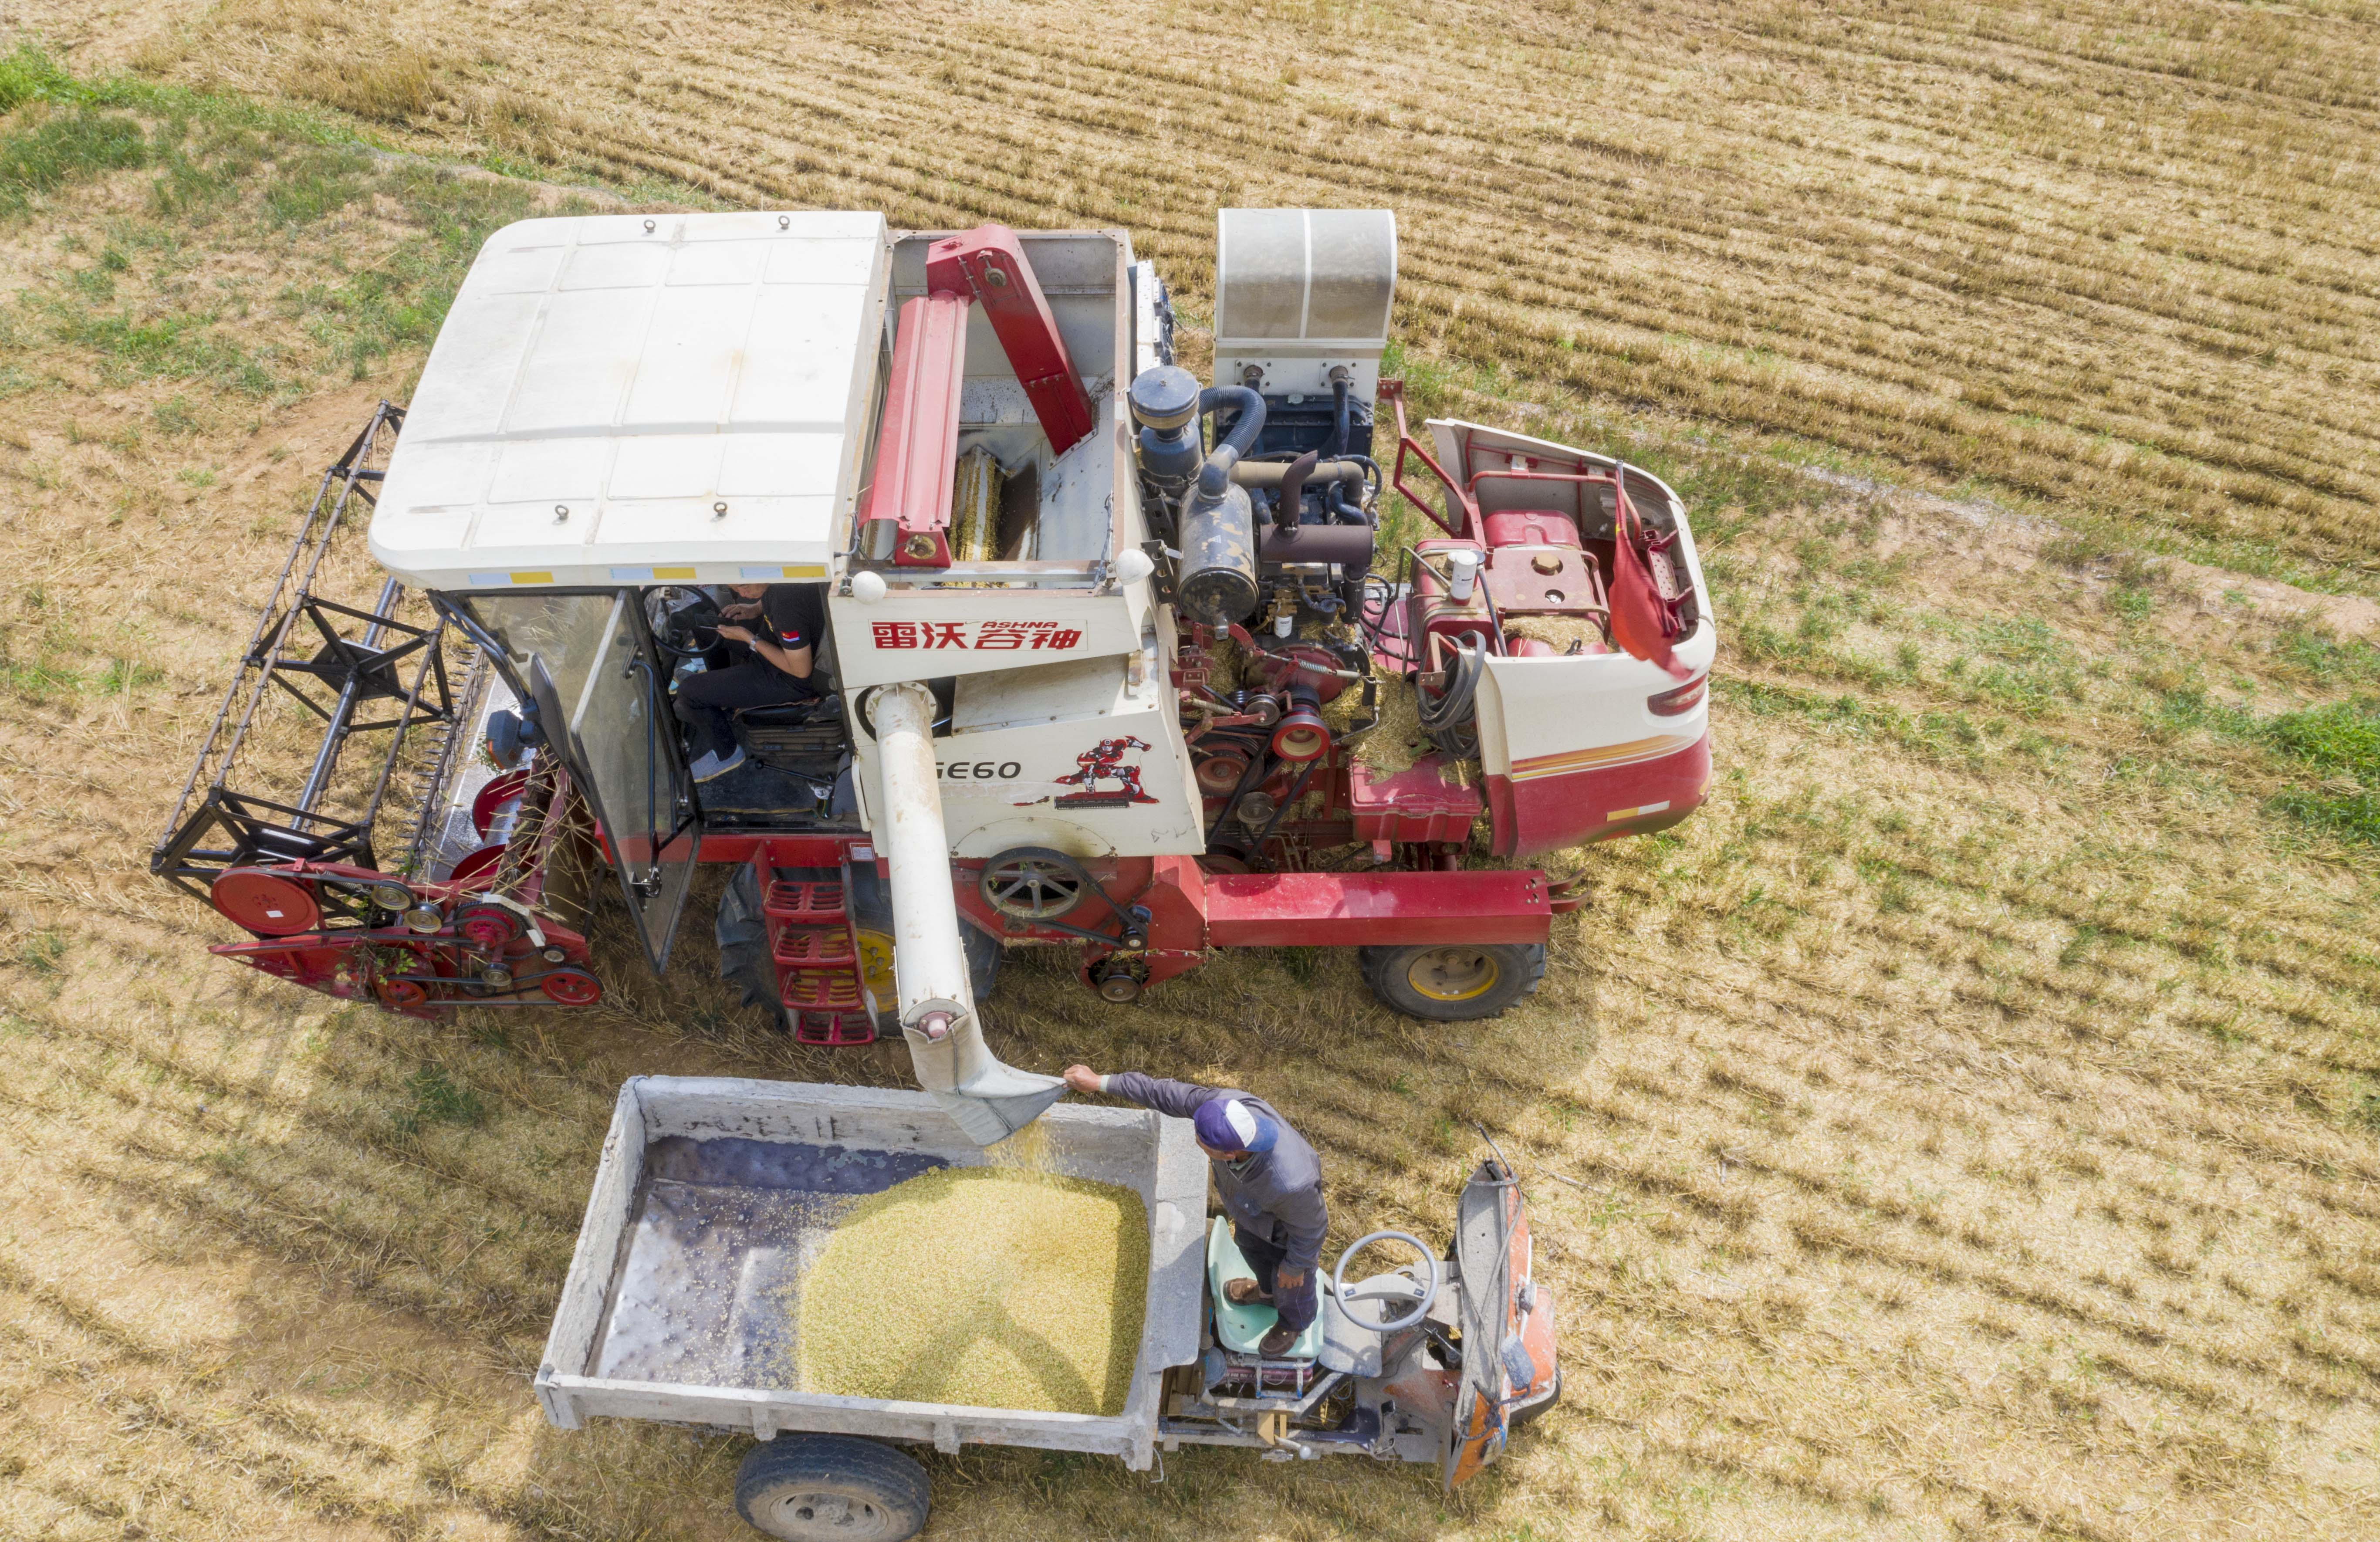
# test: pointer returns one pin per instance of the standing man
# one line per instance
(780, 624)
(1270, 1181)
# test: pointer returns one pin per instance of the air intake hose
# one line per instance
(1217, 583)
(1216, 474)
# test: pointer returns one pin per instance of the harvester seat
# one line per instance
(809, 738)
(1238, 1328)
(781, 714)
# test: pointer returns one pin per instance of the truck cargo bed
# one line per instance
(713, 1195)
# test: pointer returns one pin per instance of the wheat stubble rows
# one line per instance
(2102, 253)
(1963, 1127)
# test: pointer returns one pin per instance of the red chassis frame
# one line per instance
(1161, 915)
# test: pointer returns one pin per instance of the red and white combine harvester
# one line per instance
(1102, 650)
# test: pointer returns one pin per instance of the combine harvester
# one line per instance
(1102, 645)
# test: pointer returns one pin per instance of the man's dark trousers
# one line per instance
(1296, 1308)
(705, 701)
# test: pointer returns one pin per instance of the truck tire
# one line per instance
(743, 934)
(832, 1488)
(1453, 984)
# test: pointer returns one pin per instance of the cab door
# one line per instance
(624, 745)
(603, 695)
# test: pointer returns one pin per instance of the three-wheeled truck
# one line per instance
(713, 1195)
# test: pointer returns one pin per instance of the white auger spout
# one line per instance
(987, 1099)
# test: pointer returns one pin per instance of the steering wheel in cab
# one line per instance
(682, 620)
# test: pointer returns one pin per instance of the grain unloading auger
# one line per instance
(987, 1100)
(1101, 652)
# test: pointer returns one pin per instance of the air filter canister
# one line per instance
(1218, 582)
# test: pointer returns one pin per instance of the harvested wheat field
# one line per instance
(1967, 1124)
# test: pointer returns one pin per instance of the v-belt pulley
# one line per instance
(1035, 871)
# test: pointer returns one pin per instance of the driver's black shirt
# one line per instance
(792, 615)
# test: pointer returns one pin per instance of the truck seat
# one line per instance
(1238, 1328)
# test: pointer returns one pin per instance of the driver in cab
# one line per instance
(779, 625)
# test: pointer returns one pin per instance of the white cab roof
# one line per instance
(604, 384)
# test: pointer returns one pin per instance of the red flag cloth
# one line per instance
(1640, 620)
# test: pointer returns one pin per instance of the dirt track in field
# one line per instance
(1968, 1125)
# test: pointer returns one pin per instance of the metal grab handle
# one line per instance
(1426, 1288)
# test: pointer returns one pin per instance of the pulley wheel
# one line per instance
(1219, 774)
(571, 987)
(400, 994)
(1031, 883)
(488, 926)
(266, 902)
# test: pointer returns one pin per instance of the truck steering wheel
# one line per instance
(1421, 1293)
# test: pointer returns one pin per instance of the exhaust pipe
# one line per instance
(987, 1099)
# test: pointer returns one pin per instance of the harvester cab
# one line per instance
(1050, 643)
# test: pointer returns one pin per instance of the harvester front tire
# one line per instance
(744, 944)
(871, 910)
(1453, 984)
(817, 1487)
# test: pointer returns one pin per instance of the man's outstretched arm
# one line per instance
(1181, 1100)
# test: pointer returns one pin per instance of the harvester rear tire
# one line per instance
(816, 1488)
(1458, 984)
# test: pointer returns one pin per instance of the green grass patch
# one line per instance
(43, 953)
(37, 680)
(183, 346)
(2342, 739)
(440, 1098)
(123, 676)
(2353, 817)
(61, 148)
(30, 74)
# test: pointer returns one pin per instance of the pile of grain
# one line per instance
(1004, 1287)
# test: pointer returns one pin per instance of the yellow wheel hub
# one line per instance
(1452, 973)
(876, 967)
